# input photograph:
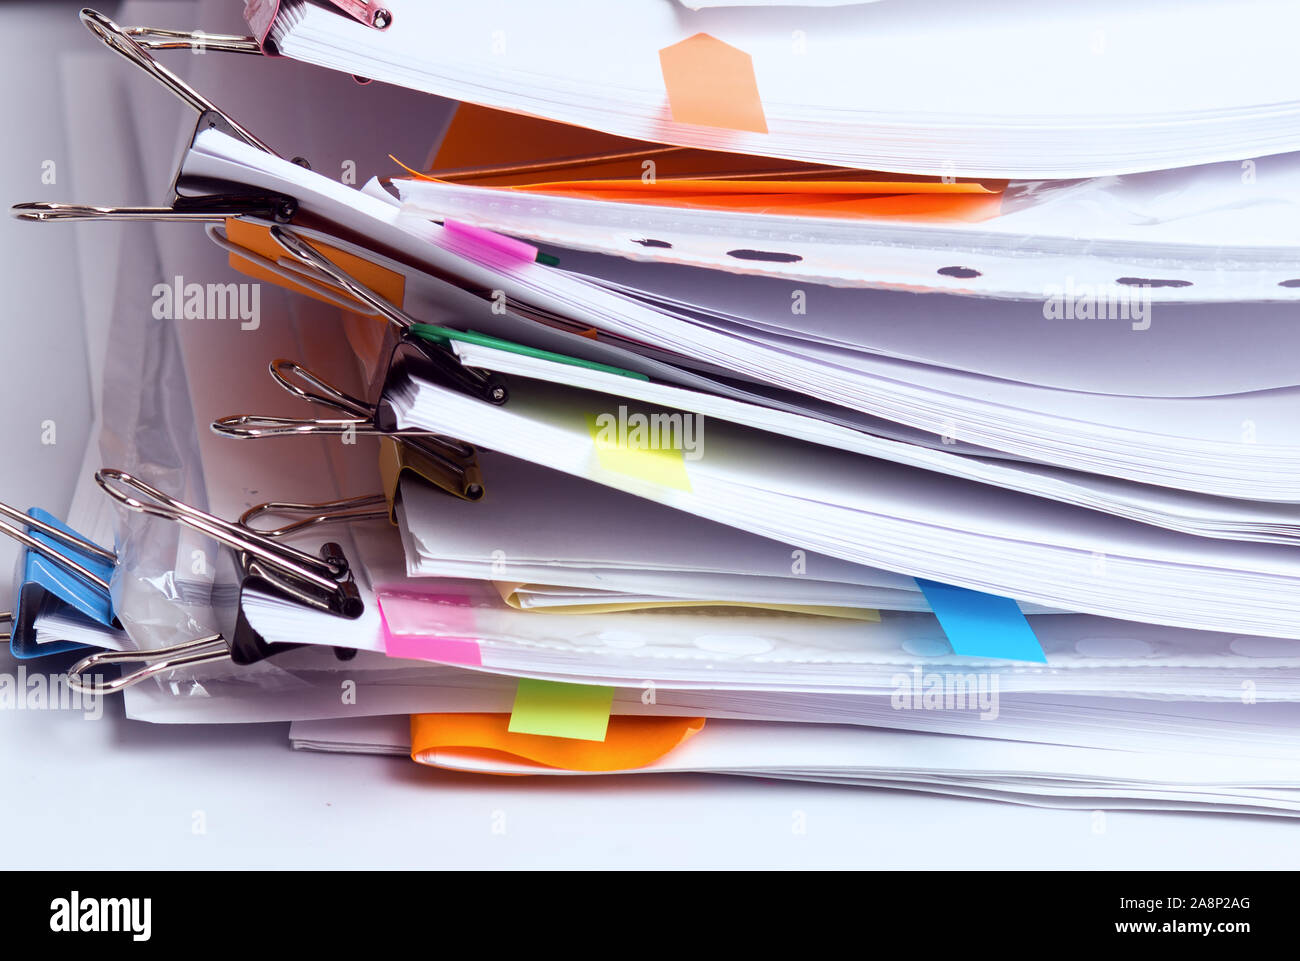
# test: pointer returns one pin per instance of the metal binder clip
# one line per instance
(204, 650)
(215, 202)
(261, 15)
(59, 571)
(292, 273)
(397, 460)
(308, 268)
(248, 645)
(61, 535)
(370, 12)
(214, 208)
(349, 509)
(121, 41)
(443, 461)
(156, 38)
(322, 582)
(449, 369)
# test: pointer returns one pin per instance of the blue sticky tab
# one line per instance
(982, 625)
(63, 584)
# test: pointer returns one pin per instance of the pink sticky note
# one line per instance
(478, 240)
(429, 627)
(444, 650)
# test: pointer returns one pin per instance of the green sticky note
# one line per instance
(555, 709)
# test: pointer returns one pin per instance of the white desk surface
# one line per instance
(119, 794)
(113, 793)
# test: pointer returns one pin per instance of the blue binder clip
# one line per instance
(58, 571)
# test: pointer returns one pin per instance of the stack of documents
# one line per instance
(845, 393)
(993, 91)
(1212, 232)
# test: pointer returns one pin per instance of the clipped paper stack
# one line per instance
(891, 394)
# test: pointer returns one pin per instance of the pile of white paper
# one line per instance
(1003, 89)
(804, 514)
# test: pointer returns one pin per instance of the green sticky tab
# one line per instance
(556, 709)
(444, 335)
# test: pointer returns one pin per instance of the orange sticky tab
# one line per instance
(712, 84)
(630, 742)
(257, 239)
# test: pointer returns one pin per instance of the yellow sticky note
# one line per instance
(555, 709)
(634, 447)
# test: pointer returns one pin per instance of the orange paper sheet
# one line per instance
(364, 328)
(971, 206)
(630, 742)
(706, 186)
(488, 141)
(257, 239)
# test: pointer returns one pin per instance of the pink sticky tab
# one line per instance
(476, 240)
(444, 650)
(429, 627)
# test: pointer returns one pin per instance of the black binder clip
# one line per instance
(447, 463)
(194, 199)
(324, 583)
(435, 361)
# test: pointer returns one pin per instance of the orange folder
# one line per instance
(492, 148)
(630, 741)
(363, 326)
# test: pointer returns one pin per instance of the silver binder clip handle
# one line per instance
(202, 651)
(364, 508)
(370, 12)
(286, 371)
(291, 376)
(289, 269)
(250, 426)
(156, 38)
(306, 254)
(49, 530)
(48, 211)
(211, 210)
(321, 574)
(21, 535)
(121, 41)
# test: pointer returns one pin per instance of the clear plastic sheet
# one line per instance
(1213, 233)
(168, 579)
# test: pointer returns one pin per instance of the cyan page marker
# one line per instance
(982, 625)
